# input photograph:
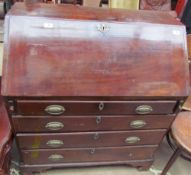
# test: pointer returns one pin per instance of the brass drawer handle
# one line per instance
(55, 157)
(98, 120)
(101, 106)
(144, 109)
(55, 109)
(138, 124)
(55, 143)
(54, 126)
(132, 140)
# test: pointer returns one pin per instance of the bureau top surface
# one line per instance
(68, 50)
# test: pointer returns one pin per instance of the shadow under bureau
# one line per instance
(88, 87)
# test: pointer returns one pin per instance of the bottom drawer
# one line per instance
(46, 156)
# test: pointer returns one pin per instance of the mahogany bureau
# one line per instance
(88, 87)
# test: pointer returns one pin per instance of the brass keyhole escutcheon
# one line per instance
(92, 151)
(55, 109)
(98, 120)
(96, 136)
(103, 28)
(101, 106)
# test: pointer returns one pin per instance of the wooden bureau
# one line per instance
(88, 87)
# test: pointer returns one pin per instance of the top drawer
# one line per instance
(39, 107)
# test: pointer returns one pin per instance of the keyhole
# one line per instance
(92, 151)
(96, 136)
(103, 28)
(101, 106)
(98, 120)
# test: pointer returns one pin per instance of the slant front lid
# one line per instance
(76, 51)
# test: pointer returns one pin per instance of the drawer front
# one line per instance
(94, 108)
(90, 139)
(89, 123)
(47, 156)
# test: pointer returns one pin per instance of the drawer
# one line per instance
(25, 107)
(74, 155)
(90, 139)
(32, 124)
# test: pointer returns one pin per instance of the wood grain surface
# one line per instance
(88, 123)
(89, 154)
(90, 139)
(6, 138)
(37, 107)
(181, 129)
(69, 55)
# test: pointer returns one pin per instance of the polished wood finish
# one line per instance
(27, 107)
(6, 158)
(187, 104)
(100, 82)
(88, 123)
(5, 138)
(181, 132)
(88, 154)
(189, 46)
(5, 127)
(97, 65)
(97, 14)
(90, 139)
